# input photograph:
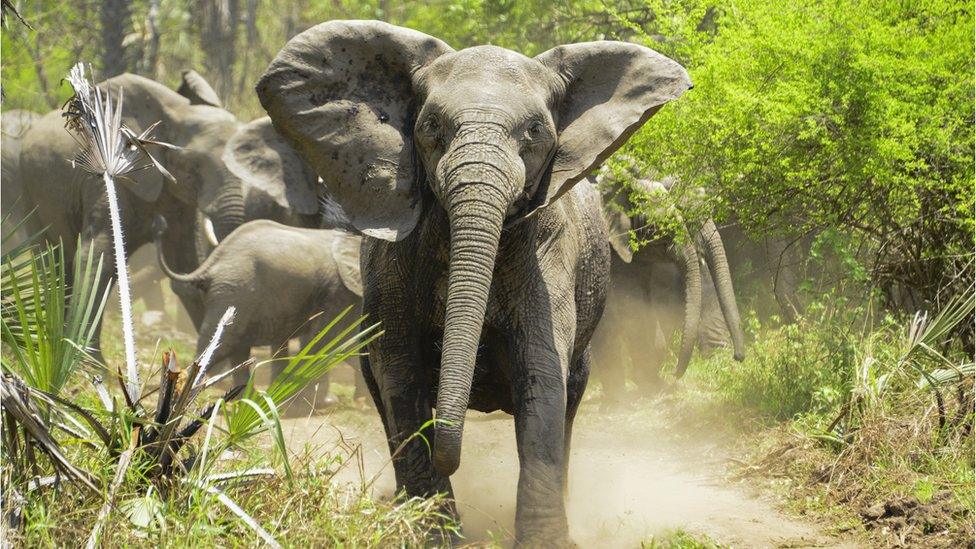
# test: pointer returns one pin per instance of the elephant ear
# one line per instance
(618, 224)
(195, 88)
(614, 206)
(345, 250)
(268, 165)
(611, 90)
(343, 94)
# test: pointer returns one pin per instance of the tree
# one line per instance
(116, 18)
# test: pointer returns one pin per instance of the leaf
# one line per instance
(143, 512)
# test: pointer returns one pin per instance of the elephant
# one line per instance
(484, 260)
(661, 287)
(284, 281)
(225, 171)
(17, 226)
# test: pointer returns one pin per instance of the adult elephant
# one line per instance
(13, 205)
(660, 288)
(485, 262)
(226, 173)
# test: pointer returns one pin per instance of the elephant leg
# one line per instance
(317, 394)
(405, 403)
(579, 373)
(647, 372)
(233, 349)
(539, 387)
(322, 389)
(238, 356)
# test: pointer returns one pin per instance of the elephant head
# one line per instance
(276, 183)
(396, 122)
(194, 121)
(232, 172)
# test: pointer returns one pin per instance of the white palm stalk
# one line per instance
(111, 150)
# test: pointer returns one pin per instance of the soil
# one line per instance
(629, 482)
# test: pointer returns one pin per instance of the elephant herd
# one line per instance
(445, 192)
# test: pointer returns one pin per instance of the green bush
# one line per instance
(790, 370)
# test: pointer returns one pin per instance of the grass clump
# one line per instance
(309, 510)
(680, 539)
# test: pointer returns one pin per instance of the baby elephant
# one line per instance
(278, 277)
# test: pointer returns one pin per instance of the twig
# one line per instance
(237, 510)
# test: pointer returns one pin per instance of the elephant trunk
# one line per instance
(227, 212)
(476, 218)
(693, 305)
(714, 252)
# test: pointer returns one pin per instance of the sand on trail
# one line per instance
(625, 486)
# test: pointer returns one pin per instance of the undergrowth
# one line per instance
(868, 422)
(309, 510)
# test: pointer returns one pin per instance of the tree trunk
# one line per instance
(250, 24)
(218, 39)
(151, 57)
(115, 16)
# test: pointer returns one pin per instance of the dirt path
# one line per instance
(626, 485)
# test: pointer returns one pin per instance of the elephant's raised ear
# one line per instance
(267, 164)
(343, 94)
(345, 250)
(611, 89)
(195, 88)
(618, 224)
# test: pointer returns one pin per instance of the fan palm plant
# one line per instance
(112, 151)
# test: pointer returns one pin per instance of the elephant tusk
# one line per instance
(208, 229)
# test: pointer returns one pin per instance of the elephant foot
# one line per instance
(541, 541)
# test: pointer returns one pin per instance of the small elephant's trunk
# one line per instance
(228, 210)
(718, 264)
(475, 228)
(693, 305)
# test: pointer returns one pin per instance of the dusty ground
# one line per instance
(628, 483)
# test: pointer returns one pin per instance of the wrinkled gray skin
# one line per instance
(13, 126)
(661, 288)
(486, 266)
(225, 170)
(277, 277)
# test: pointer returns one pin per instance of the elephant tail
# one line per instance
(195, 278)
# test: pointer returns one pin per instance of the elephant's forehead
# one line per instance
(488, 63)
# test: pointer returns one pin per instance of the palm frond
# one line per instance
(45, 327)
(314, 360)
(107, 146)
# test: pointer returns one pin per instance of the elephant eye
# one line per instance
(536, 130)
(535, 133)
(429, 126)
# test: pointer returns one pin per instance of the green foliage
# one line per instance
(48, 328)
(854, 115)
(681, 539)
(790, 369)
